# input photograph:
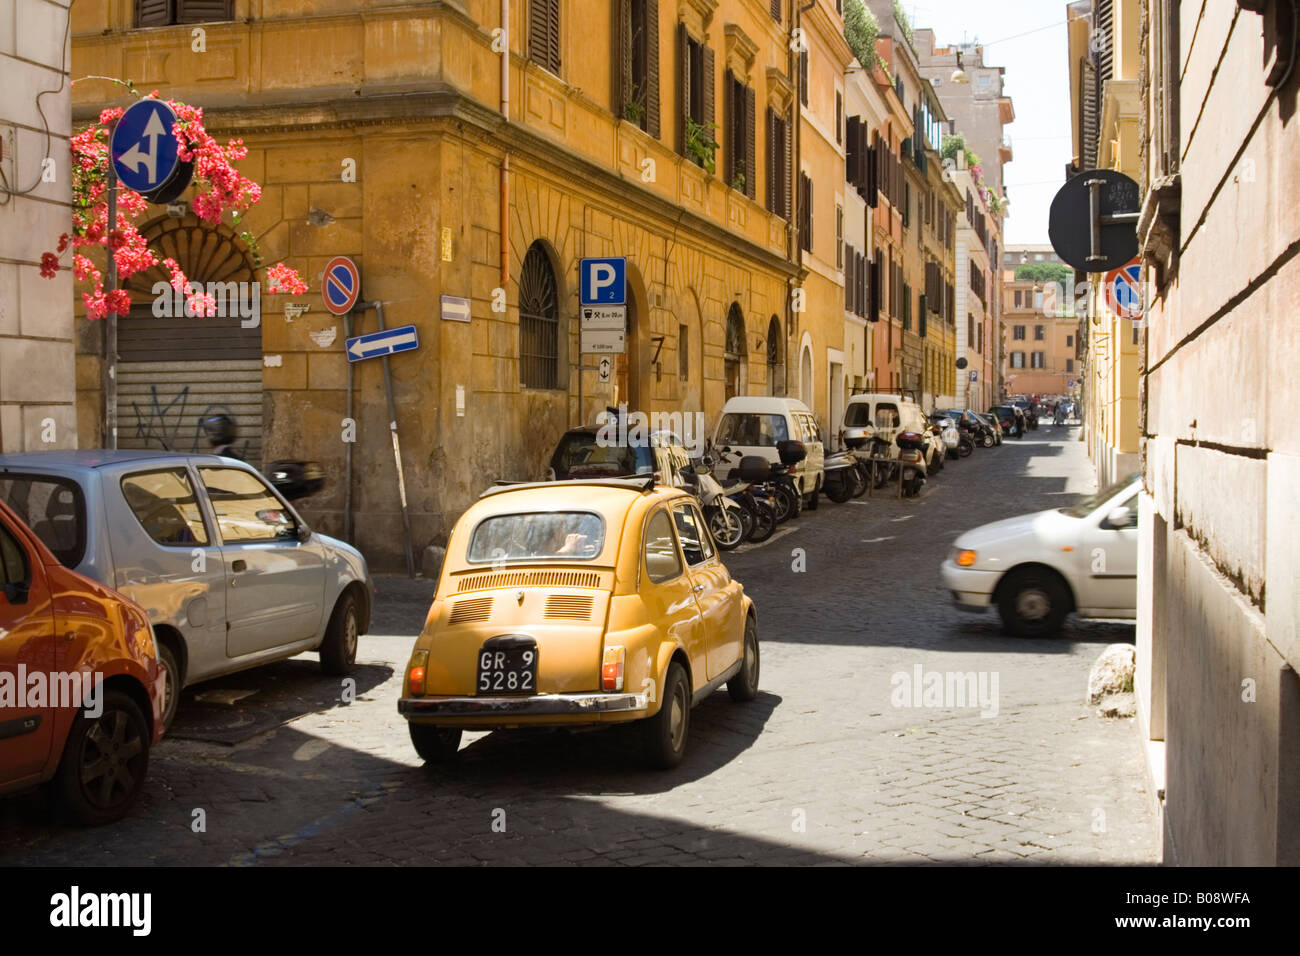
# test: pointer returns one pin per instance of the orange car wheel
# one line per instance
(104, 762)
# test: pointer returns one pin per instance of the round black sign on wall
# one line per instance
(962, 363)
(1070, 222)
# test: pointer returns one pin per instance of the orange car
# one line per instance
(81, 690)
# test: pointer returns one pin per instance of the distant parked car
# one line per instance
(230, 575)
(1037, 568)
(90, 730)
(583, 453)
(755, 425)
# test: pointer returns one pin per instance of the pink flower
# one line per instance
(50, 264)
(282, 279)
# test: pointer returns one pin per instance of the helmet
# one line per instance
(220, 429)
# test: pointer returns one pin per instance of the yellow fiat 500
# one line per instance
(579, 603)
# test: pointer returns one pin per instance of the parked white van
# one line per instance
(753, 424)
(888, 414)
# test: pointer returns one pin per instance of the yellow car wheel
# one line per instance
(664, 734)
(435, 744)
(744, 686)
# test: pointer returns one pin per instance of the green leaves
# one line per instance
(861, 30)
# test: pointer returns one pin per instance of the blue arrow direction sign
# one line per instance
(143, 146)
(375, 344)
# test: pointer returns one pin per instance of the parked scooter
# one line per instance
(723, 515)
(296, 479)
(911, 458)
(856, 438)
(789, 502)
(745, 488)
(842, 476)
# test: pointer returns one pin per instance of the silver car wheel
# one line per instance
(1033, 604)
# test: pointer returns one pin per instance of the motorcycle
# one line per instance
(856, 438)
(724, 516)
(965, 438)
(842, 476)
(911, 458)
(789, 502)
(745, 488)
(295, 479)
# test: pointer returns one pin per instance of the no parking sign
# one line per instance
(1124, 290)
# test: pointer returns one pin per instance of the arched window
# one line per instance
(734, 361)
(539, 321)
(775, 358)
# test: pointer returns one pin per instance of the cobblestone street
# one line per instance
(822, 768)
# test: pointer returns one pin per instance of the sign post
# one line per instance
(602, 293)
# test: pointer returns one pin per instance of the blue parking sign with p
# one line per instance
(603, 281)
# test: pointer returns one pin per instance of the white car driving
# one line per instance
(1037, 568)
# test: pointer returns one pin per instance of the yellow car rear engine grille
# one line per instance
(467, 612)
(573, 607)
(525, 579)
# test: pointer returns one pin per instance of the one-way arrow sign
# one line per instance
(403, 339)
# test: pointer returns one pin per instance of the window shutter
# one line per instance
(153, 13)
(851, 157)
(924, 307)
(787, 128)
(653, 126)
(537, 30)
(709, 113)
(776, 10)
(862, 284)
(729, 144)
(810, 215)
(683, 85)
(850, 278)
(874, 291)
(553, 35)
(621, 67)
(203, 11)
(769, 127)
(751, 167)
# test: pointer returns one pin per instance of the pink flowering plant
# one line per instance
(220, 188)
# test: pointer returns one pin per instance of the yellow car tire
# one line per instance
(435, 744)
(664, 735)
(744, 686)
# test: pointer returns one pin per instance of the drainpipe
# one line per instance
(794, 249)
(505, 156)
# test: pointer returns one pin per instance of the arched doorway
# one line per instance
(735, 363)
(174, 369)
(539, 320)
(806, 393)
(690, 353)
(775, 358)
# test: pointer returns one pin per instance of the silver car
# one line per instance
(230, 574)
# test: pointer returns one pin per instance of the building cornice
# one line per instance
(344, 111)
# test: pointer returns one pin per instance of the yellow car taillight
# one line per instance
(415, 671)
(965, 559)
(611, 669)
